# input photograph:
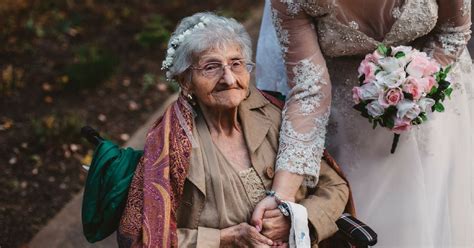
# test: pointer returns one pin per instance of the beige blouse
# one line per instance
(231, 193)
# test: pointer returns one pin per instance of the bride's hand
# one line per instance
(268, 203)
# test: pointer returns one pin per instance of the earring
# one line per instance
(190, 99)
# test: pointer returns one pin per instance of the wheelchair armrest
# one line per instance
(355, 231)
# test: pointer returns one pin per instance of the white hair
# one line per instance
(200, 32)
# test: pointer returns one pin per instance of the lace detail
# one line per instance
(309, 93)
(293, 6)
(301, 153)
(253, 185)
(452, 39)
(337, 39)
(281, 33)
(466, 7)
(354, 25)
(396, 12)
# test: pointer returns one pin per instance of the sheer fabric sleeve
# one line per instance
(452, 30)
(306, 111)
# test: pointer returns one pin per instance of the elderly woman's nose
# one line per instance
(228, 77)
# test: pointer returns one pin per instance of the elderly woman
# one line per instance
(210, 158)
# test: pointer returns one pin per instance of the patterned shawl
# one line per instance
(149, 218)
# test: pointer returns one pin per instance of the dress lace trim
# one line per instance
(466, 7)
(282, 34)
(452, 39)
(301, 153)
(253, 185)
(293, 6)
(309, 93)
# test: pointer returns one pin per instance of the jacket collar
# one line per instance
(255, 126)
(254, 123)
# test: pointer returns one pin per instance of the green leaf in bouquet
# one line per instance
(448, 92)
(382, 49)
(441, 96)
(438, 107)
(360, 106)
(392, 110)
(443, 84)
(389, 122)
(361, 80)
(447, 69)
(408, 96)
(377, 71)
(417, 121)
(437, 76)
(374, 123)
(433, 90)
(399, 55)
(423, 116)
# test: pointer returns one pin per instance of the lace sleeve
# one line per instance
(452, 30)
(306, 112)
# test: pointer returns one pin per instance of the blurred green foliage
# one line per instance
(156, 31)
(93, 65)
(56, 128)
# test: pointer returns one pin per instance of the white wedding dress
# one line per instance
(421, 196)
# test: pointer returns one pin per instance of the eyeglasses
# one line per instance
(215, 69)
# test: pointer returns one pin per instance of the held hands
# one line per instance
(268, 203)
(276, 226)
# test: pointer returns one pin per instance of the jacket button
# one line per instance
(270, 173)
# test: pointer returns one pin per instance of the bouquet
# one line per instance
(399, 86)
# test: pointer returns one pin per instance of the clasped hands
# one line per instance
(270, 228)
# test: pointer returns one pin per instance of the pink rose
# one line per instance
(356, 93)
(427, 83)
(391, 97)
(422, 66)
(414, 87)
(401, 125)
(367, 69)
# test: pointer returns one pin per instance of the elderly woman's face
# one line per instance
(219, 89)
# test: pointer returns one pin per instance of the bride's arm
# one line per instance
(306, 112)
(452, 30)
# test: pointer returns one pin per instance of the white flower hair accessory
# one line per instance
(176, 42)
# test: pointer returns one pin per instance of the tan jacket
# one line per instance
(260, 122)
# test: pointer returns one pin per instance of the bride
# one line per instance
(421, 196)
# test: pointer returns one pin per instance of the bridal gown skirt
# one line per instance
(422, 195)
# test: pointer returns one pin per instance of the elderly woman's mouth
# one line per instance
(227, 89)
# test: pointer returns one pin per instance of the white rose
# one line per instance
(369, 91)
(389, 64)
(375, 109)
(390, 79)
(170, 51)
(408, 109)
(426, 104)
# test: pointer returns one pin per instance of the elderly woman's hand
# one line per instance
(268, 203)
(243, 235)
(276, 226)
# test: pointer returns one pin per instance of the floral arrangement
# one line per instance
(176, 42)
(399, 86)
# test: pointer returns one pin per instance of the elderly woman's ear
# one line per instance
(185, 82)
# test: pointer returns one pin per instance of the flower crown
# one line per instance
(176, 42)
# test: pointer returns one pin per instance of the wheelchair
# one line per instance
(112, 169)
